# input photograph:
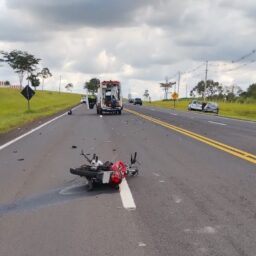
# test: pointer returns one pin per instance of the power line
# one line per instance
(173, 76)
(241, 66)
(193, 69)
(233, 69)
(207, 70)
(245, 56)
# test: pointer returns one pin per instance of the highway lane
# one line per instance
(191, 199)
(236, 133)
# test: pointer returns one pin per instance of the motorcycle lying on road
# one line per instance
(110, 173)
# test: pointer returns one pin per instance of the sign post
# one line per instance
(28, 93)
(175, 96)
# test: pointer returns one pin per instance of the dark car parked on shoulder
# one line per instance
(137, 101)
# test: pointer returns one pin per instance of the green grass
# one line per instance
(13, 106)
(234, 110)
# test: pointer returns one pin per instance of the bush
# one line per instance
(250, 100)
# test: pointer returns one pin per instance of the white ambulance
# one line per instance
(109, 98)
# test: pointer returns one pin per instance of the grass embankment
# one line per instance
(13, 106)
(234, 110)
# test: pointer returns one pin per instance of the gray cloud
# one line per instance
(95, 13)
(143, 40)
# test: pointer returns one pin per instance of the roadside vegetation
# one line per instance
(232, 100)
(246, 111)
(13, 106)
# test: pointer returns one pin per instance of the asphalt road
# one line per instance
(234, 132)
(191, 198)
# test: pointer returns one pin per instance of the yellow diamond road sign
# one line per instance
(175, 95)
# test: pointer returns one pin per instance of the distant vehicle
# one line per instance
(131, 100)
(195, 105)
(92, 99)
(137, 101)
(211, 107)
(109, 98)
(83, 99)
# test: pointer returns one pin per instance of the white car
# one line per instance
(195, 105)
(83, 99)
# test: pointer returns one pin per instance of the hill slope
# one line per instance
(13, 106)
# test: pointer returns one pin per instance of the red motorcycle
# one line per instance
(97, 172)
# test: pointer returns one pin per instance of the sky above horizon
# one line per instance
(139, 42)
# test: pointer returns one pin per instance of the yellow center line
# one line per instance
(224, 147)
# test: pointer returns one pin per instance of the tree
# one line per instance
(34, 80)
(69, 86)
(7, 83)
(232, 92)
(166, 86)
(92, 85)
(212, 88)
(45, 73)
(251, 91)
(20, 62)
(146, 94)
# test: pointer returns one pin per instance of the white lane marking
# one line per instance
(173, 114)
(126, 196)
(141, 244)
(33, 130)
(207, 230)
(161, 181)
(156, 174)
(212, 122)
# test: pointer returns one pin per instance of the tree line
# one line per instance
(216, 91)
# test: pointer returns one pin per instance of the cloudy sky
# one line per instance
(140, 42)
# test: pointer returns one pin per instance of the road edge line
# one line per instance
(33, 130)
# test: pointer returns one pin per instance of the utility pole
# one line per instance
(60, 84)
(205, 82)
(179, 76)
(186, 90)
